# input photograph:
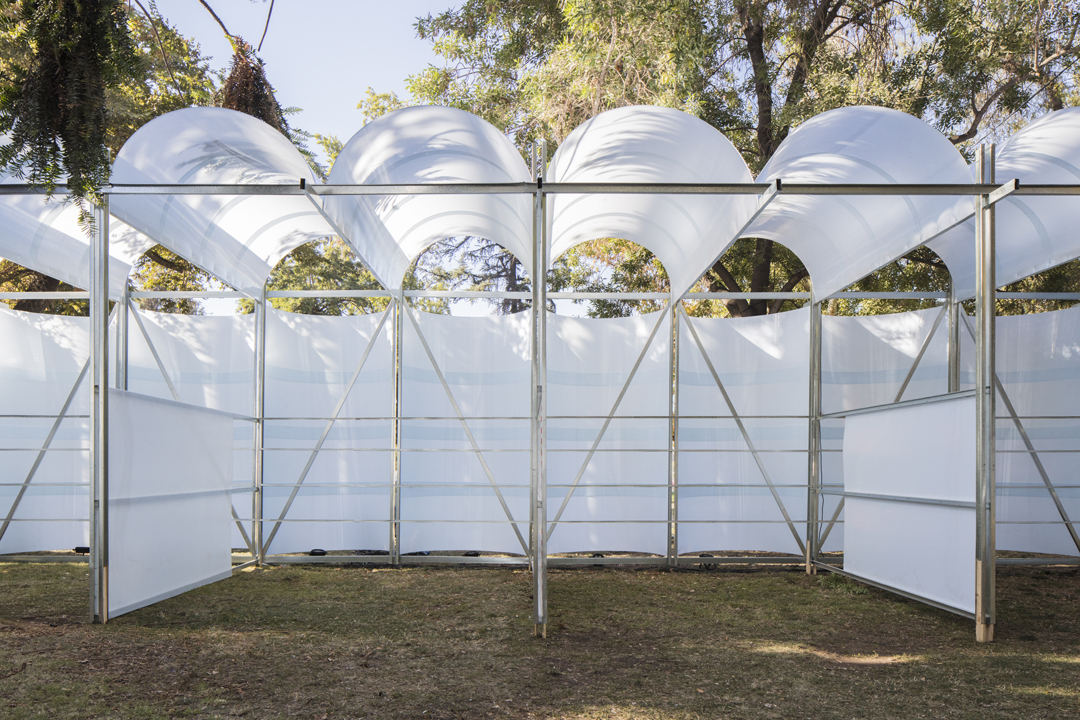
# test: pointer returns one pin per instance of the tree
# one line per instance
(53, 105)
(168, 72)
(754, 69)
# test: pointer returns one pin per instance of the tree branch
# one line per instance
(161, 49)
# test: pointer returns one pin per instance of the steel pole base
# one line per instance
(540, 630)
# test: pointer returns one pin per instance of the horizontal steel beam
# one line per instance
(993, 190)
(900, 498)
(44, 295)
(903, 403)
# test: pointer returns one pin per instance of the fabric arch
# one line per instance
(844, 238)
(428, 144)
(237, 238)
(43, 234)
(650, 145)
(1032, 233)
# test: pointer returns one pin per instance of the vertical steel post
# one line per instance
(813, 443)
(673, 437)
(99, 415)
(539, 418)
(259, 429)
(534, 374)
(954, 340)
(985, 311)
(121, 361)
(395, 432)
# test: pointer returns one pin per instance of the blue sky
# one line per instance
(320, 55)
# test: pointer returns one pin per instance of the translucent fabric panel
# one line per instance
(210, 359)
(922, 451)
(620, 503)
(763, 362)
(447, 498)
(344, 503)
(1038, 362)
(723, 499)
(43, 234)
(311, 359)
(344, 500)
(1033, 233)
(650, 145)
(42, 360)
(428, 144)
(238, 238)
(170, 481)
(865, 359)
(843, 238)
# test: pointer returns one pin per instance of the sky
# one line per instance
(320, 55)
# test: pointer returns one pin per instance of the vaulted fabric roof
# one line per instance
(428, 145)
(843, 238)
(239, 238)
(650, 145)
(1032, 233)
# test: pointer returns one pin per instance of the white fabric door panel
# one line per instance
(620, 502)
(910, 453)
(170, 481)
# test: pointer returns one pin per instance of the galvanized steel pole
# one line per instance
(985, 406)
(539, 415)
(813, 443)
(259, 428)
(99, 415)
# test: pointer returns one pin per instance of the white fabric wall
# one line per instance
(763, 363)
(170, 481)
(1038, 361)
(42, 358)
(344, 502)
(922, 451)
(211, 363)
(447, 502)
(621, 500)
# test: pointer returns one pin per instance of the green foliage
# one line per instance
(53, 107)
(326, 264)
(171, 74)
(160, 269)
(16, 278)
(375, 105)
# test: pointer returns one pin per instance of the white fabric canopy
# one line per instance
(44, 235)
(650, 145)
(237, 238)
(428, 144)
(1032, 233)
(843, 238)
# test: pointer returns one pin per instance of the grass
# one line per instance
(458, 643)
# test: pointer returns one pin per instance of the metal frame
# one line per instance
(985, 193)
